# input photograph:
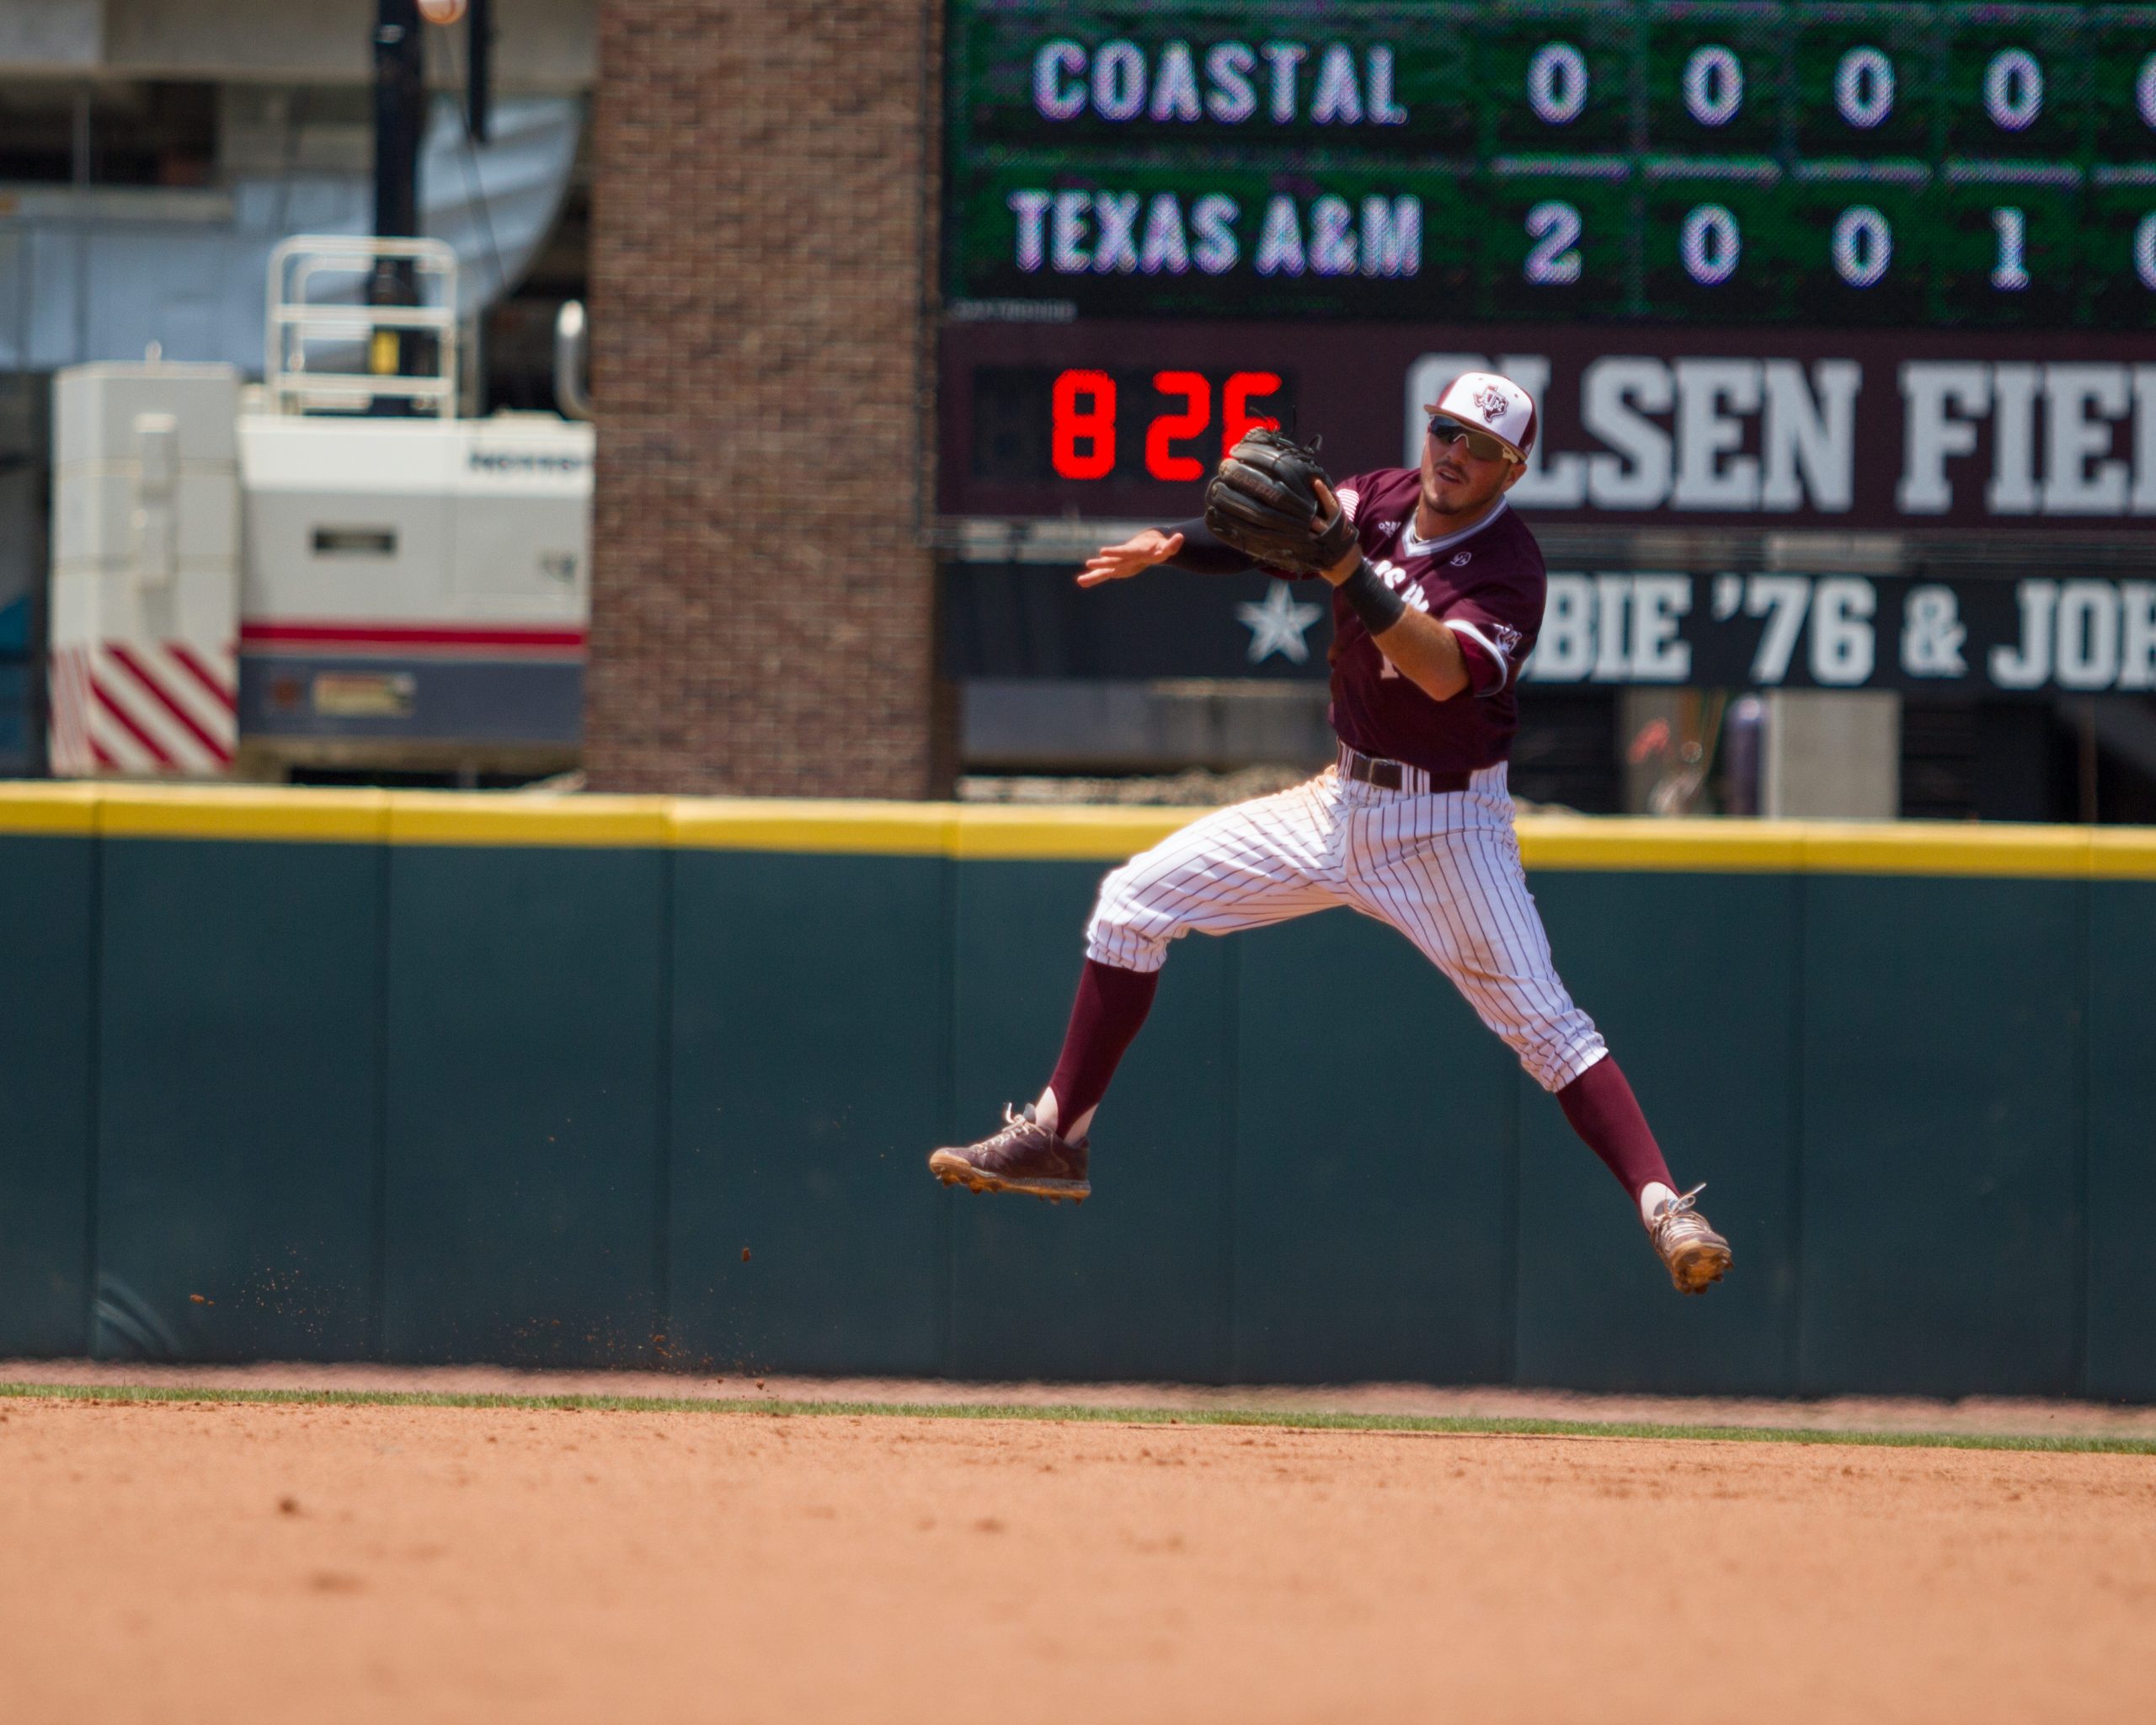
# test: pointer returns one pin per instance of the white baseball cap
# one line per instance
(1491, 404)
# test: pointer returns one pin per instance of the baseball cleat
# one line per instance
(1024, 1156)
(1696, 1255)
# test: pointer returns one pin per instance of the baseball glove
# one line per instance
(1263, 500)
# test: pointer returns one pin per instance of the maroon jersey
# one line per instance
(1486, 584)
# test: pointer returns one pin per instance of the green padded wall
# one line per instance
(1372, 1198)
(1133, 1284)
(1693, 980)
(47, 1036)
(238, 1088)
(529, 1102)
(1942, 1171)
(809, 1055)
(2122, 1080)
(527, 994)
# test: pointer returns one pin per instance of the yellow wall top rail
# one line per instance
(974, 832)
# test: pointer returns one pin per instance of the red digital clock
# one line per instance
(1035, 425)
(1083, 441)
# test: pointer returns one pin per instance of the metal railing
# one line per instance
(299, 378)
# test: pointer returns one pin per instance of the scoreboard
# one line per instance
(1880, 266)
(1657, 161)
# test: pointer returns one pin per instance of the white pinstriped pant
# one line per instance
(1443, 868)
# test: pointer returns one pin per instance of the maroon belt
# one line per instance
(1397, 775)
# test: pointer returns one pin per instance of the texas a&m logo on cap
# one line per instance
(1497, 404)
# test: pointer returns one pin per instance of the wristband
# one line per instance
(1378, 606)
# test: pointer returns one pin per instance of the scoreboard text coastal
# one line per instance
(1724, 162)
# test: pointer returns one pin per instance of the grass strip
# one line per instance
(1283, 1419)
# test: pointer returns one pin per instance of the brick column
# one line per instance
(762, 261)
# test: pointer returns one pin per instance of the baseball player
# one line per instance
(1437, 596)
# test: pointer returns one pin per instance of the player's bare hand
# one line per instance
(1134, 556)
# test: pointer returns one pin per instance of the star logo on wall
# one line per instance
(1278, 626)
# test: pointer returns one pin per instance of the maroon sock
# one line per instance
(1604, 1111)
(1111, 1005)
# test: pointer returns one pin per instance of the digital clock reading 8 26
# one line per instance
(1167, 426)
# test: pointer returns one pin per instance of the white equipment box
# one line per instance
(416, 590)
(146, 570)
(331, 572)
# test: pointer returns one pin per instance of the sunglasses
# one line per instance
(1480, 444)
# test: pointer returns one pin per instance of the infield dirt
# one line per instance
(244, 1562)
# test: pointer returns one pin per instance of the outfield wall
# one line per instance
(636, 1081)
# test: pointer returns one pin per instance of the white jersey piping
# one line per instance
(1410, 546)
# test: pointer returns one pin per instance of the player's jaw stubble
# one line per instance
(1458, 490)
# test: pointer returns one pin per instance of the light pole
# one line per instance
(399, 105)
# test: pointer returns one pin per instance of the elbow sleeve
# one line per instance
(1203, 554)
